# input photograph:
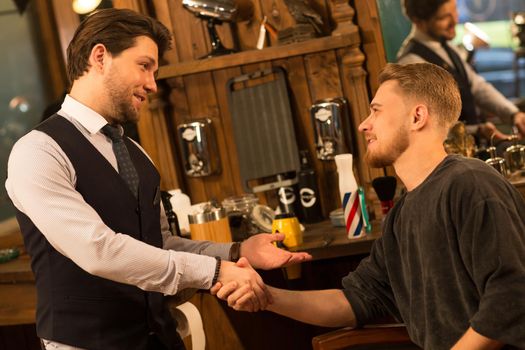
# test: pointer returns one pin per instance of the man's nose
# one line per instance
(364, 126)
(151, 84)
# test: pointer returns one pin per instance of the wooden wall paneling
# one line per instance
(301, 100)
(190, 39)
(353, 77)
(248, 31)
(67, 22)
(324, 82)
(372, 40)
(178, 112)
(278, 16)
(221, 78)
(164, 14)
(225, 32)
(203, 103)
(198, 92)
(342, 15)
(52, 53)
(219, 330)
(163, 138)
(322, 7)
(136, 5)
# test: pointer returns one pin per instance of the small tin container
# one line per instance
(210, 225)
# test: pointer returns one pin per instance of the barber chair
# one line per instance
(384, 336)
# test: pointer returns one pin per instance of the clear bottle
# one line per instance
(345, 170)
(181, 205)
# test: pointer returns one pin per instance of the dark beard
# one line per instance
(122, 110)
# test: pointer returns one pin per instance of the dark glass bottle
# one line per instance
(308, 191)
(170, 214)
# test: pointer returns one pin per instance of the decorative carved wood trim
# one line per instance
(372, 40)
(54, 59)
(343, 15)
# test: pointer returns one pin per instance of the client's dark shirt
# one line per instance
(452, 256)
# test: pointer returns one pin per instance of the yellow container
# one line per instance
(288, 225)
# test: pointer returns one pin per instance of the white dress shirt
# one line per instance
(41, 183)
(486, 97)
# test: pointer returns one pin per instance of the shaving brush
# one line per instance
(385, 187)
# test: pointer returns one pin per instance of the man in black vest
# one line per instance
(433, 26)
(88, 205)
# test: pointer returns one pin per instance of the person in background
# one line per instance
(450, 263)
(433, 26)
(88, 205)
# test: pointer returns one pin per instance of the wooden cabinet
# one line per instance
(190, 89)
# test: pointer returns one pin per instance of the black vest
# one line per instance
(469, 115)
(73, 306)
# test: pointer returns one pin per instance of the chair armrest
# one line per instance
(345, 338)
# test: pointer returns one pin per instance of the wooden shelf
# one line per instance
(256, 56)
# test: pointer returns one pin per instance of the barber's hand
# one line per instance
(519, 121)
(244, 285)
(240, 298)
(263, 254)
(489, 131)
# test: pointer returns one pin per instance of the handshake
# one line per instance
(240, 285)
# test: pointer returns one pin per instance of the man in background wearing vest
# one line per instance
(88, 205)
(433, 26)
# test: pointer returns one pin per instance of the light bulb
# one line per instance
(85, 6)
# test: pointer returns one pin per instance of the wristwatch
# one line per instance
(217, 271)
(235, 252)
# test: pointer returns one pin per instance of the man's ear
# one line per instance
(419, 117)
(98, 57)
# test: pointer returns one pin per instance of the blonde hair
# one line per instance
(430, 84)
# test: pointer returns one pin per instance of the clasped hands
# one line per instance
(241, 285)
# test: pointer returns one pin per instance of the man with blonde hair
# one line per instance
(445, 265)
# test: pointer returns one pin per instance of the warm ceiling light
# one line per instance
(85, 6)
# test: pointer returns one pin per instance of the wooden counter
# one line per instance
(17, 291)
(17, 286)
(324, 241)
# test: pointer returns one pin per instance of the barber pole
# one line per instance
(353, 215)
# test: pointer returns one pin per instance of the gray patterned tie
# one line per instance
(126, 168)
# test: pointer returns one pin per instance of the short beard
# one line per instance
(121, 110)
(379, 160)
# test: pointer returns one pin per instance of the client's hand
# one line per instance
(243, 285)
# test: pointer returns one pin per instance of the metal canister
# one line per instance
(497, 163)
(210, 225)
(515, 155)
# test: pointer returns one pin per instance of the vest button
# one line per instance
(137, 210)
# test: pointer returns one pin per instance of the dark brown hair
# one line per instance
(116, 29)
(430, 84)
(421, 9)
